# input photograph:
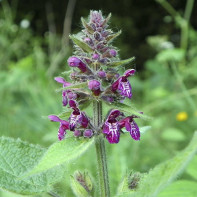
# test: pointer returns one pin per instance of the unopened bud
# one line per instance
(88, 133)
(76, 62)
(112, 52)
(101, 74)
(77, 133)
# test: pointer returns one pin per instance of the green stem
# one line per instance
(100, 152)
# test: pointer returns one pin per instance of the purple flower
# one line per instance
(123, 85)
(77, 118)
(64, 92)
(111, 127)
(131, 126)
(94, 85)
(76, 62)
(64, 125)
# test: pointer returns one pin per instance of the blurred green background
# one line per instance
(34, 47)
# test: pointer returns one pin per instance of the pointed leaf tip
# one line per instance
(81, 44)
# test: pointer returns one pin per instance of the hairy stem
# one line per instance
(100, 151)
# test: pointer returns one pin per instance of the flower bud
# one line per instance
(97, 36)
(88, 133)
(95, 56)
(76, 62)
(94, 85)
(71, 95)
(88, 41)
(101, 74)
(112, 53)
(77, 133)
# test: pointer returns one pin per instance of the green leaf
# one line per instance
(74, 86)
(106, 19)
(163, 174)
(81, 44)
(16, 157)
(192, 169)
(81, 184)
(183, 188)
(123, 186)
(86, 26)
(113, 36)
(62, 152)
(128, 110)
(121, 62)
(77, 188)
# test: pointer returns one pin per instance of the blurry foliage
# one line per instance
(164, 88)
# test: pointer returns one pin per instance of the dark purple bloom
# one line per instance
(77, 117)
(112, 53)
(111, 127)
(88, 133)
(76, 62)
(64, 125)
(64, 92)
(94, 85)
(131, 126)
(123, 85)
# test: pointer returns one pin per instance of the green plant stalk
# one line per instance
(100, 149)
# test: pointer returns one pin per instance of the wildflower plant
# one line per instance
(95, 113)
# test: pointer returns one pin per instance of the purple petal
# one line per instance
(114, 114)
(115, 85)
(74, 119)
(125, 88)
(84, 120)
(54, 118)
(129, 72)
(73, 104)
(64, 98)
(134, 132)
(113, 137)
(62, 80)
(61, 133)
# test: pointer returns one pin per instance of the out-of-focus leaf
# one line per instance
(62, 152)
(16, 157)
(173, 134)
(192, 168)
(81, 44)
(86, 26)
(113, 36)
(182, 188)
(121, 62)
(171, 55)
(162, 175)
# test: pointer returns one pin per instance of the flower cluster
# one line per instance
(94, 63)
